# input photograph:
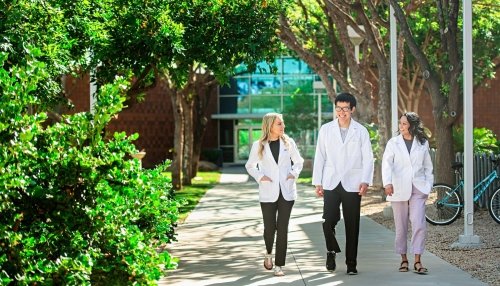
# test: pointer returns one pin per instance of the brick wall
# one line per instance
(487, 105)
(151, 119)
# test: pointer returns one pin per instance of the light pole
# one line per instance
(318, 85)
(356, 39)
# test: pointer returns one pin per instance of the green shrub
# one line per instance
(484, 140)
(75, 207)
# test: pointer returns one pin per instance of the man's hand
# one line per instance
(319, 191)
(363, 187)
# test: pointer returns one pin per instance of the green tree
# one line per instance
(216, 36)
(28, 24)
(319, 33)
(75, 209)
(441, 61)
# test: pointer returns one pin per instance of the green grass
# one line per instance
(192, 194)
(305, 177)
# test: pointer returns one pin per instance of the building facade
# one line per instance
(235, 117)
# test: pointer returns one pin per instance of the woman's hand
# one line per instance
(290, 176)
(265, 179)
(389, 190)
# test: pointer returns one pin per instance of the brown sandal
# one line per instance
(403, 268)
(420, 270)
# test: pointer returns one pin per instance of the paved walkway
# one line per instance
(221, 243)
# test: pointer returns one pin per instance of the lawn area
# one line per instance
(192, 194)
(305, 177)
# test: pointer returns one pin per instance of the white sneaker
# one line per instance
(278, 271)
(268, 261)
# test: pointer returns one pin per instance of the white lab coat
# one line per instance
(278, 172)
(403, 169)
(350, 162)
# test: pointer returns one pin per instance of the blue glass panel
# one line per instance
(239, 85)
(265, 85)
(263, 68)
(295, 66)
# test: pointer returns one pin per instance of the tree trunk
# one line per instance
(384, 121)
(444, 154)
(205, 90)
(187, 109)
(176, 166)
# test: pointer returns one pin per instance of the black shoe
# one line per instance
(330, 261)
(352, 271)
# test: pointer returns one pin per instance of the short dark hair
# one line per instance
(346, 97)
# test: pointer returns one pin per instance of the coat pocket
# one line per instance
(265, 186)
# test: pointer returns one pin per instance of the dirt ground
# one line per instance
(482, 263)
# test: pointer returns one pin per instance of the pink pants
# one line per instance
(412, 211)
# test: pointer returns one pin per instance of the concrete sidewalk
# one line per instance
(221, 243)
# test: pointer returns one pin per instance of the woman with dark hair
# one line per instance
(270, 164)
(407, 178)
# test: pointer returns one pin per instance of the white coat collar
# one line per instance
(353, 126)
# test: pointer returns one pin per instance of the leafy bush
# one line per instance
(484, 140)
(75, 207)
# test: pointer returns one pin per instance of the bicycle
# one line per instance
(445, 203)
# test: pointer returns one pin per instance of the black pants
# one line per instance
(351, 206)
(276, 217)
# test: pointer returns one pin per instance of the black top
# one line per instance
(275, 149)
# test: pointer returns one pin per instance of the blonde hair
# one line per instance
(267, 124)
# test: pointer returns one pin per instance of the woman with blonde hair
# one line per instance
(275, 163)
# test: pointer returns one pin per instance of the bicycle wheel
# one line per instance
(495, 206)
(443, 206)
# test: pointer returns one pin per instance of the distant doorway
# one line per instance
(244, 137)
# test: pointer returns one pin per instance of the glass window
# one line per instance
(243, 104)
(295, 66)
(226, 132)
(297, 84)
(264, 68)
(265, 85)
(264, 104)
(299, 103)
(239, 85)
(326, 104)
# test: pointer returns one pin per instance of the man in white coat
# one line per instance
(342, 172)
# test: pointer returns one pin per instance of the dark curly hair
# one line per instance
(416, 126)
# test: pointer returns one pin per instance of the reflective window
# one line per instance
(295, 66)
(238, 85)
(264, 104)
(297, 84)
(265, 85)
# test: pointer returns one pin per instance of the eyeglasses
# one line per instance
(345, 108)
